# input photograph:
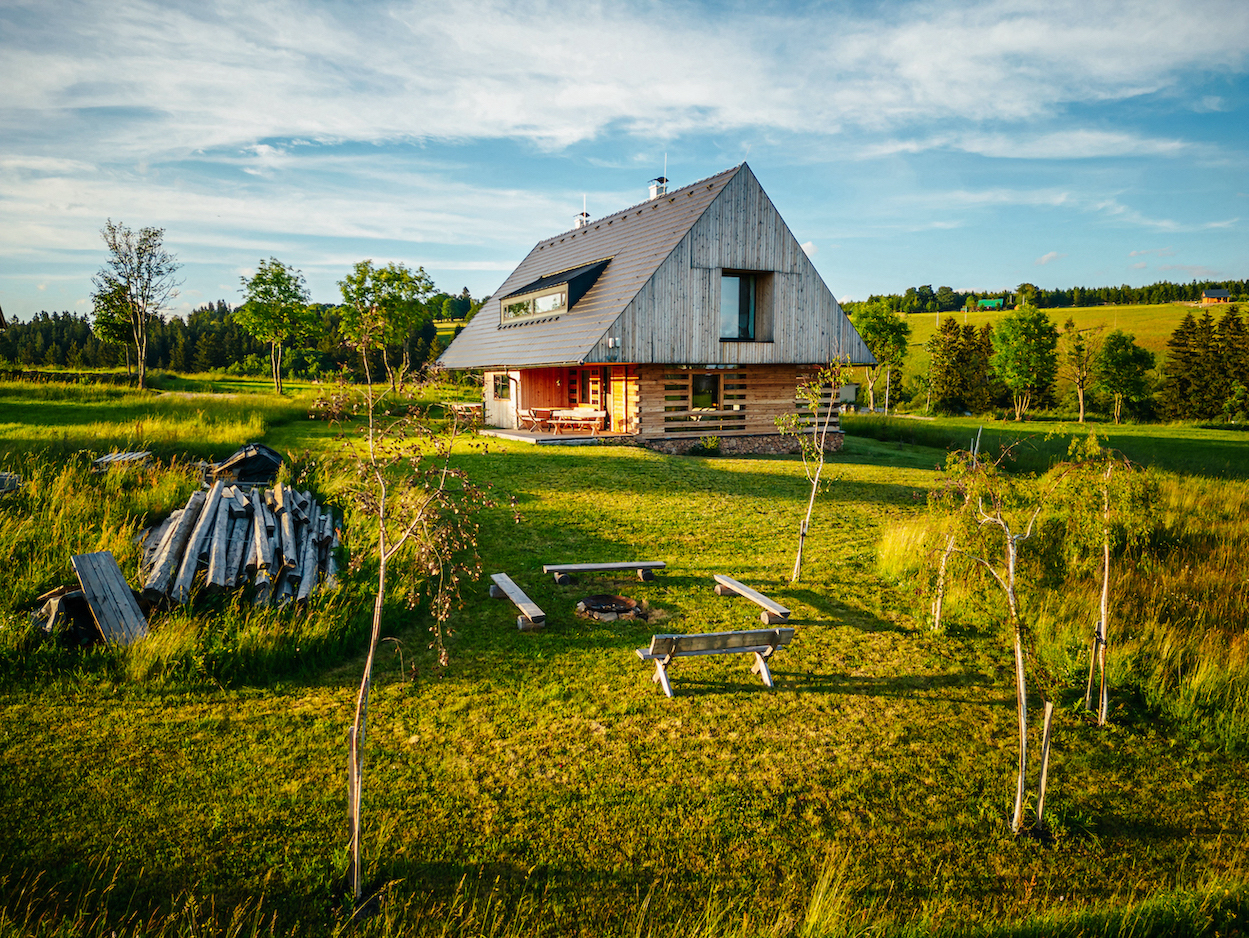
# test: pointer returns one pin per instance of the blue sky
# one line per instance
(977, 145)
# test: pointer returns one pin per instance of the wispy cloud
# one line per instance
(1048, 258)
(1157, 252)
(1195, 271)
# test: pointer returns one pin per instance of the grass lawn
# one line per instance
(543, 785)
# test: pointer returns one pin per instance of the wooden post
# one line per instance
(1045, 761)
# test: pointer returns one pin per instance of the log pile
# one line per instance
(279, 539)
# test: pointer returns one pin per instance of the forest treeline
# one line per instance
(924, 299)
(211, 339)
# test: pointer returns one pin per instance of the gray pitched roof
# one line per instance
(636, 240)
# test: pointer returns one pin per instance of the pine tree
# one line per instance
(946, 372)
(1177, 389)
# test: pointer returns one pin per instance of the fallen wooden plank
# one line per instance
(308, 562)
(218, 547)
(108, 595)
(773, 612)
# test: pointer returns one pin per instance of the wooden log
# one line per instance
(156, 542)
(190, 558)
(261, 533)
(217, 546)
(264, 586)
(331, 564)
(240, 528)
(163, 570)
(285, 526)
(309, 561)
(1045, 761)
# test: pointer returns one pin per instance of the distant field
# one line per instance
(1152, 326)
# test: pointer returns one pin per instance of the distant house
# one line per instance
(3, 325)
(689, 315)
(1215, 296)
(989, 304)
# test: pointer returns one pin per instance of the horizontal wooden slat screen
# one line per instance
(750, 400)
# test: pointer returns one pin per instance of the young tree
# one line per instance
(818, 395)
(111, 320)
(275, 310)
(385, 304)
(947, 370)
(1080, 351)
(993, 514)
(1025, 356)
(1122, 365)
(135, 283)
(1178, 370)
(885, 334)
(421, 503)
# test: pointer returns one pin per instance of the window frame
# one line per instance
(529, 301)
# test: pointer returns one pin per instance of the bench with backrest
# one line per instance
(773, 612)
(531, 618)
(761, 642)
(563, 571)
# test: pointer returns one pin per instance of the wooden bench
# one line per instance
(773, 612)
(108, 595)
(761, 642)
(113, 460)
(531, 618)
(645, 569)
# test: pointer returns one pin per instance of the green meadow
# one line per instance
(541, 784)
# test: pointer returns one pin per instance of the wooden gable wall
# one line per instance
(674, 318)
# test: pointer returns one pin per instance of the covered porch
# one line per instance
(563, 402)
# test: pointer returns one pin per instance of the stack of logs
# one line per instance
(280, 538)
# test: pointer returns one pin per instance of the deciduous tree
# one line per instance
(1122, 365)
(886, 335)
(384, 305)
(1025, 356)
(1080, 351)
(275, 310)
(137, 281)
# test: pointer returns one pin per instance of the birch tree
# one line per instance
(423, 506)
(814, 418)
(136, 283)
(275, 310)
(995, 513)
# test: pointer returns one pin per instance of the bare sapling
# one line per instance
(423, 506)
(996, 513)
(1109, 503)
(814, 418)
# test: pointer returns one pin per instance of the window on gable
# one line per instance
(737, 307)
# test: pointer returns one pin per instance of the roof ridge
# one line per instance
(629, 208)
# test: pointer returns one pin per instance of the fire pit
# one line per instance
(610, 608)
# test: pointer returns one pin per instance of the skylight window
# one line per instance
(551, 303)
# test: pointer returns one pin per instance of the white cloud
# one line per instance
(809, 248)
(1157, 252)
(1047, 258)
(1139, 265)
(1195, 271)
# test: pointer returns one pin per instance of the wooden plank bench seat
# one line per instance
(563, 571)
(108, 595)
(760, 642)
(773, 612)
(591, 420)
(531, 618)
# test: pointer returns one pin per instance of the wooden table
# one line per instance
(465, 410)
(578, 419)
(535, 418)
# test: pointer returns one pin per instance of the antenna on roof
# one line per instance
(584, 218)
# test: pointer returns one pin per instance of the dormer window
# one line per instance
(550, 303)
(552, 295)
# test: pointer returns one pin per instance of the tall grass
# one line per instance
(1179, 627)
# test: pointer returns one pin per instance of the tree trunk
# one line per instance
(940, 598)
(1045, 761)
(1021, 686)
(1080, 394)
(1103, 628)
(888, 374)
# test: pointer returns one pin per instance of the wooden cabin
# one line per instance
(691, 314)
(1215, 296)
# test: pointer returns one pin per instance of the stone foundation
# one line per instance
(771, 444)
